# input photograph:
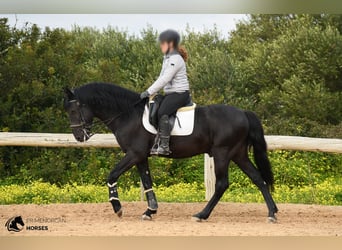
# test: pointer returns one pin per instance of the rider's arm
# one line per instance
(171, 68)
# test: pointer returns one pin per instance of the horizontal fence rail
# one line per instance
(277, 142)
(56, 140)
(274, 142)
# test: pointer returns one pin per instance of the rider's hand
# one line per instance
(144, 95)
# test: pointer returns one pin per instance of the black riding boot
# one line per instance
(164, 135)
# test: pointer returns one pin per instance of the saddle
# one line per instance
(182, 122)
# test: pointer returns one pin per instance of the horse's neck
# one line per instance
(119, 120)
(110, 119)
(13, 223)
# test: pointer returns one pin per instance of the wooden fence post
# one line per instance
(209, 176)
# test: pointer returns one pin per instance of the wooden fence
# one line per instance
(109, 141)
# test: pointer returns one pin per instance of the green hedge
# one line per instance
(300, 177)
(92, 166)
(328, 192)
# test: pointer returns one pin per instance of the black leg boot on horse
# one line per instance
(162, 145)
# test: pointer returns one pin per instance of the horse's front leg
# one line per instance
(145, 176)
(125, 164)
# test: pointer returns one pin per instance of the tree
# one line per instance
(290, 68)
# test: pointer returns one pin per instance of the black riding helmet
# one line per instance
(170, 36)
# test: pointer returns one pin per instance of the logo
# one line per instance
(15, 224)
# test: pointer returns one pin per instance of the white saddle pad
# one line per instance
(184, 123)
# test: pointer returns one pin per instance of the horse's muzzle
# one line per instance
(81, 134)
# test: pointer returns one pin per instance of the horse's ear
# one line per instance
(69, 94)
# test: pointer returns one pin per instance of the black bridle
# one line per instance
(86, 126)
(83, 125)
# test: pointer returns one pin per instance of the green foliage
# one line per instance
(312, 178)
(290, 67)
(209, 67)
(43, 193)
(328, 192)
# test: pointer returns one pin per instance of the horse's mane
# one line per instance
(107, 97)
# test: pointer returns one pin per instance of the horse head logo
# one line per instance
(12, 224)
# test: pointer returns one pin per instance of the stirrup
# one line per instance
(154, 150)
(163, 151)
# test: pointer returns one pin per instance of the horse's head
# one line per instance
(12, 224)
(81, 117)
(19, 220)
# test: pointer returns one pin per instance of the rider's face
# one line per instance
(165, 47)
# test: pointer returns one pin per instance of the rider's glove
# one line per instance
(144, 95)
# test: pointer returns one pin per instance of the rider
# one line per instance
(173, 78)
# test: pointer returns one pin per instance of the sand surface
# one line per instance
(228, 219)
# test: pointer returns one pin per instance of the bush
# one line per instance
(329, 192)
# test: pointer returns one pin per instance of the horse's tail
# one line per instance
(257, 140)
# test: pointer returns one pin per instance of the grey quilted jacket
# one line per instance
(173, 76)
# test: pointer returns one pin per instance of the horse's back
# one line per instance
(220, 112)
(222, 120)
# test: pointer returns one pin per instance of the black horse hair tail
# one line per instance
(256, 139)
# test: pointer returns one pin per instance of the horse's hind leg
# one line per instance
(221, 172)
(145, 176)
(254, 174)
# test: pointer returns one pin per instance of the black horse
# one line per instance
(224, 132)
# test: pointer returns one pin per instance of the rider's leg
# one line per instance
(170, 105)
(158, 99)
(164, 134)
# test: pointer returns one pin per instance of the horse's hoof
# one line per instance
(196, 219)
(119, 213)
(146, 217)
(272, 220)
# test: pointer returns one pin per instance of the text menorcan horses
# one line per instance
(224, 132)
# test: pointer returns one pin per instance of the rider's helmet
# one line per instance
(170, 36)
